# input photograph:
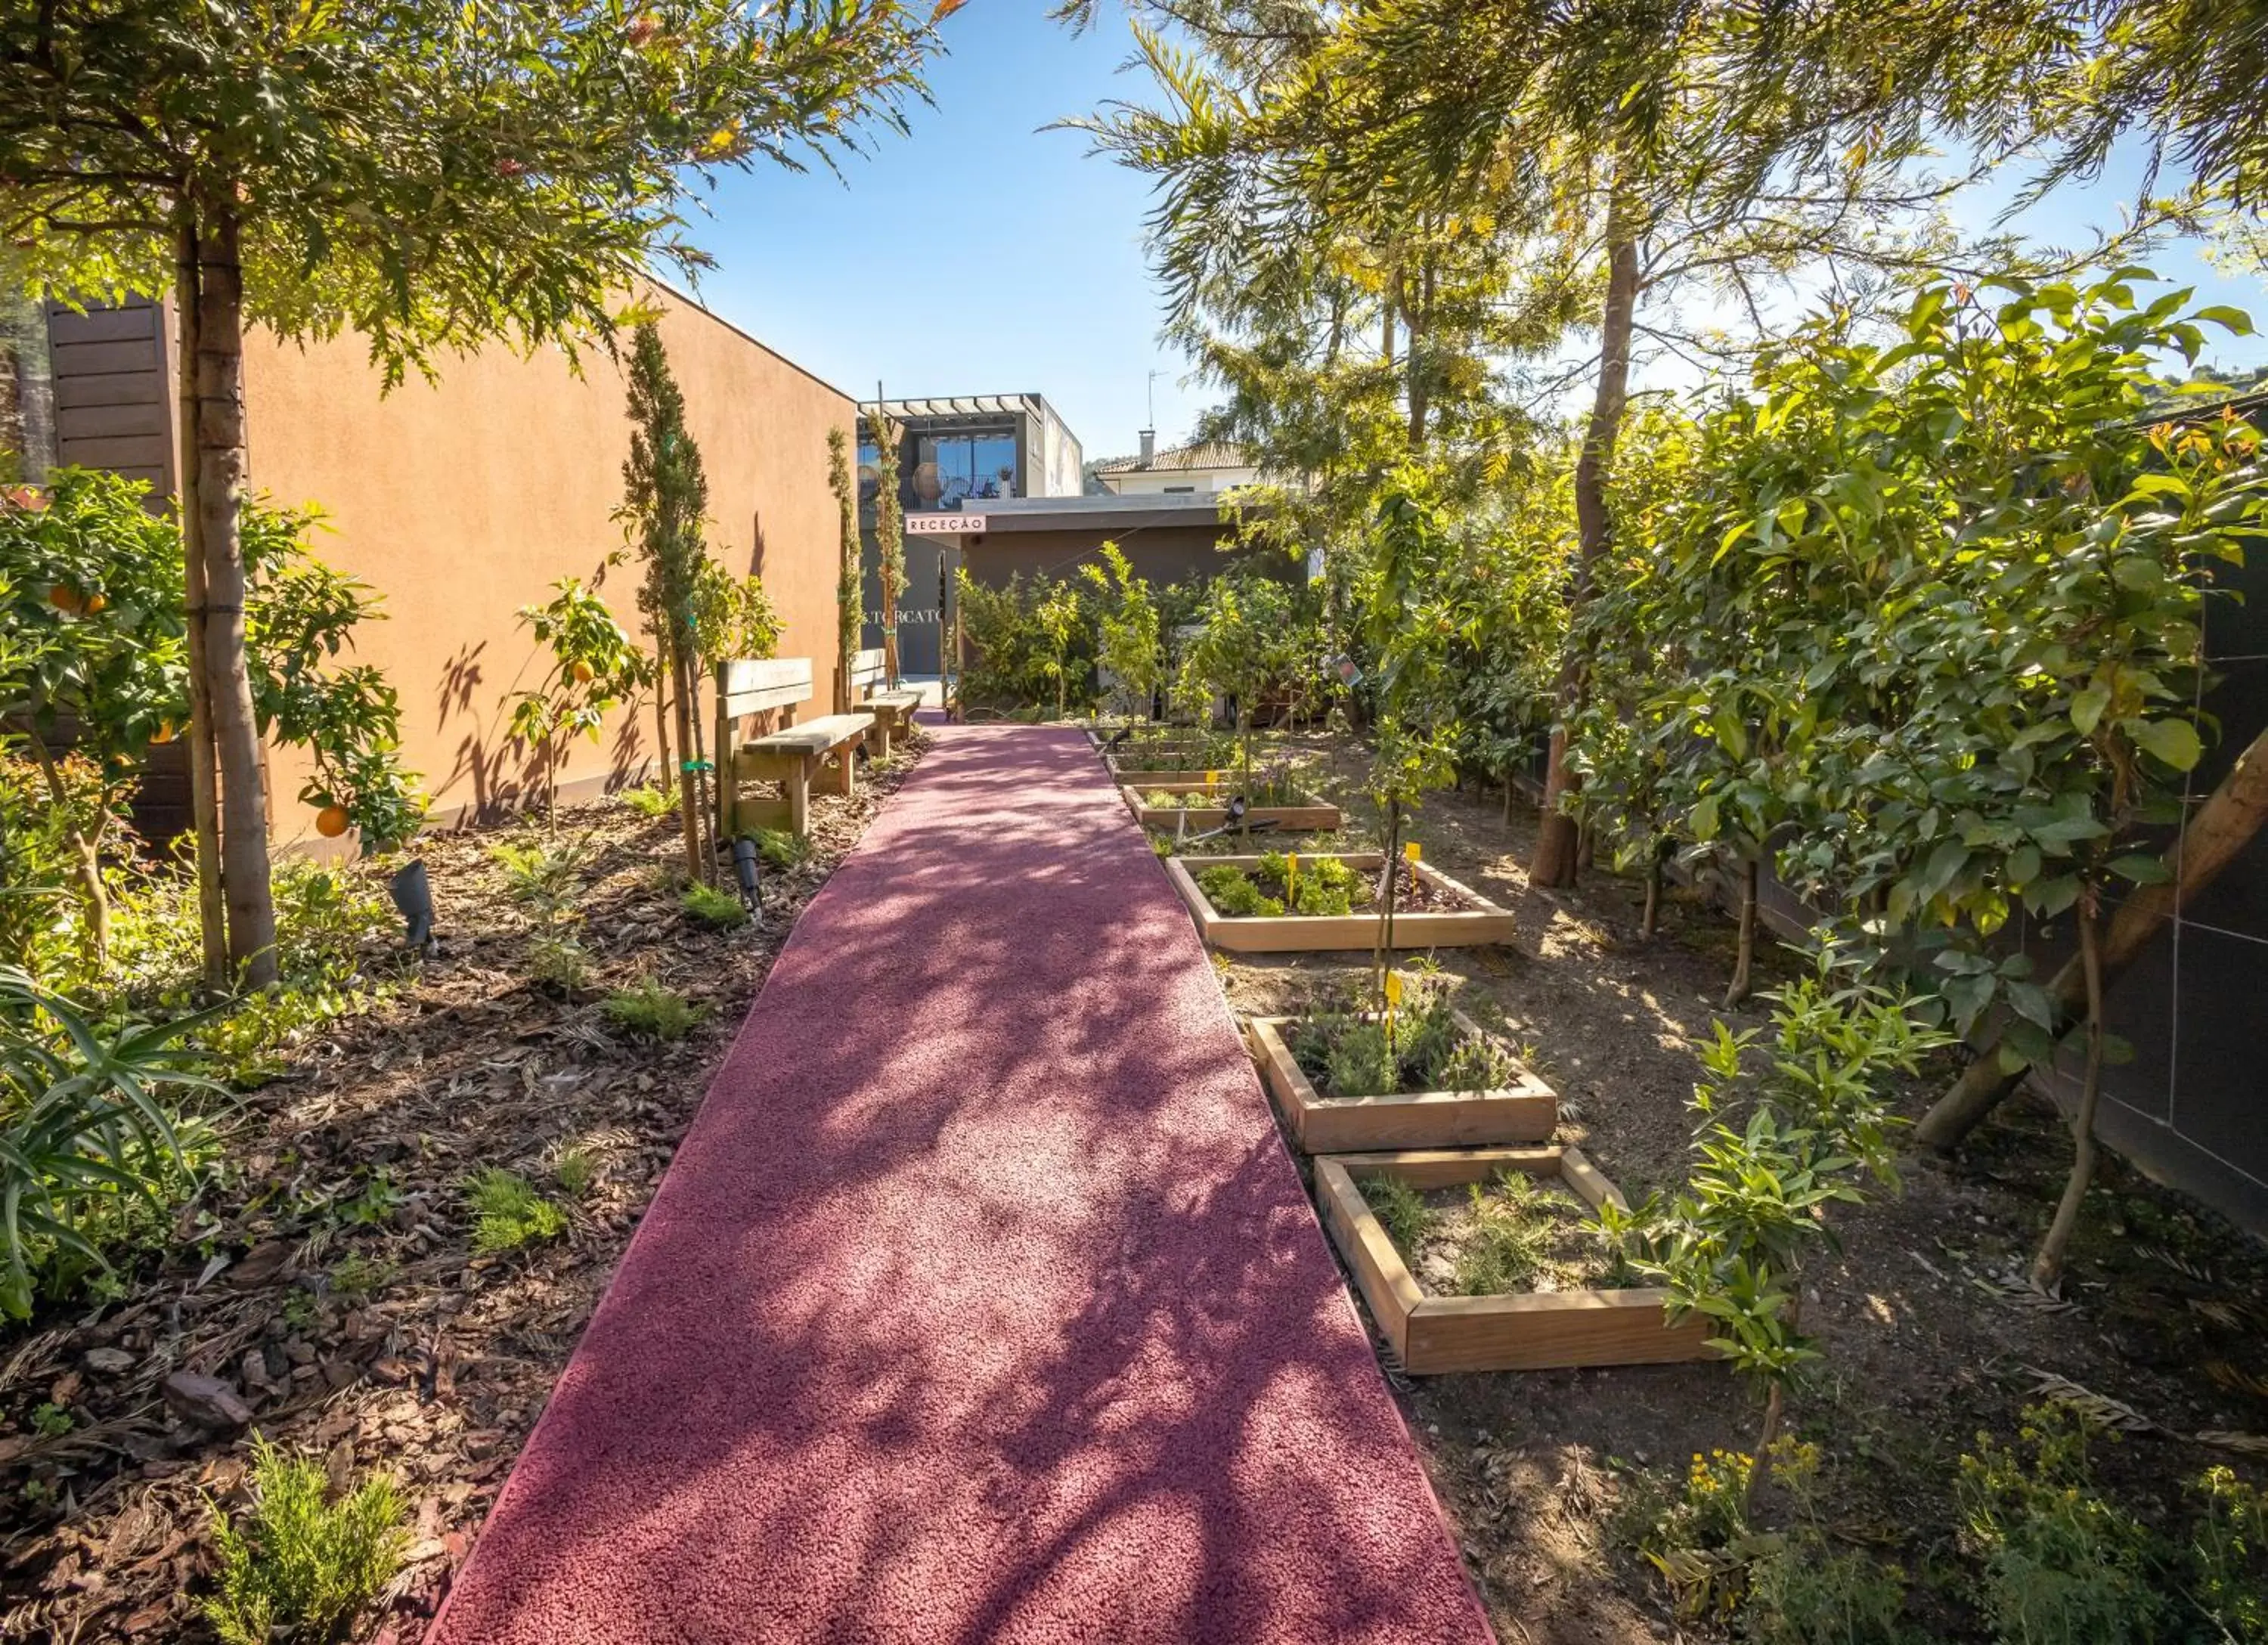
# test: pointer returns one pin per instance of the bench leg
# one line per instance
(846, 769)
(797, 786)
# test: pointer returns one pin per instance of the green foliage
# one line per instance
(1019, 657)
(329, 135)
(357, 1278)
(1508, 1236)
(652, 1011)
(508, 1213)
(89, 1133)
(780, 849)
(1401, 1210)
(1241, 652)
(577, 1168)
(546, 879)
(594, 665)
(303, 1566)
(1955, 721)
(2061, 1564)
(1127, 641)
(651, 803)
(1352, 1054)
(51, 1421)
(1729, 1245)
(721, 911)
(556, 960)
(2225, 1557)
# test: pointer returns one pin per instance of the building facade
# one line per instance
(1207, 469)
(461, 500)
(958, 454)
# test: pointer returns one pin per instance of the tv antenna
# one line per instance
(1152, 387)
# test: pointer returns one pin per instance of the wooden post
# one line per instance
(728, 782)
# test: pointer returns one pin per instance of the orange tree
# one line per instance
(594, 665)
(429, 176)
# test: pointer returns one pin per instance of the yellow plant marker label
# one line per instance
(1393, 989)
(1213, 779)
(1410, 850)
(1291, 876)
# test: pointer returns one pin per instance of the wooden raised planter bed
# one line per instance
(1311, 816)
(1531, 1331)
(1528, 1111)
(1480, 922)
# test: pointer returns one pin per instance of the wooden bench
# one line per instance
(792, 757)
(893, 710)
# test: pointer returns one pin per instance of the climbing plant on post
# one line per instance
(281, 166)
(890, 533)
(850, 585)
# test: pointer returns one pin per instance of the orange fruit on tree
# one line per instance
(64, 597)
(96, 602)
(331, 822)
(166, 731)
(583, 674)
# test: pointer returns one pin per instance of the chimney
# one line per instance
(1149, 446)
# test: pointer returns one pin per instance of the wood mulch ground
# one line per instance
(1928, 1332)
(327, 1286)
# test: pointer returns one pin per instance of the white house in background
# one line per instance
(1200, 470)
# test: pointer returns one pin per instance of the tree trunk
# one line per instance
(2047, 1266)
(688, 787)
(1554, 862)
(204, 788)
(2227, 822)
(220, 498)
(704, 865)
(1766, 1434)
(86, 852)
(1384, 958)
(662, 679)
(1649, 923)
(1739, 989)
(1507, 799)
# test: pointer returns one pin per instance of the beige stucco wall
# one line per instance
(463, 500)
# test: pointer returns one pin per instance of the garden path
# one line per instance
(981, 1302)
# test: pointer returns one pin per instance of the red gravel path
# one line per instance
(981, 1302)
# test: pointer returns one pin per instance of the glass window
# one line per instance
(950, 470)
(870, 472)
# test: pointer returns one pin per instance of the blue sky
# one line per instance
(980, 255)
(983, 254)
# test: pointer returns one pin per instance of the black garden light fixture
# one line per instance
(412, 893)
(745, 861)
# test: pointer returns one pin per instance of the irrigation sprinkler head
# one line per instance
(744, 869)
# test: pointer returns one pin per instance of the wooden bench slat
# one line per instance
(747, 686)
(814, 737)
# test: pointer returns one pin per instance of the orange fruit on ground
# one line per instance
(331, 822)
(583, 673)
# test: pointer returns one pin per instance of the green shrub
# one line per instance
(650, 1011)
(557, 961)
(2226, 1557)
(1232, 894)
(1360, 1063)
(577, 1168)
(2060, 1563)
(509, 1214)
(91, 1149)
(543, 879)
(781, 850)
(357, 1277)
(1401, 1210)
(303, 1566)
(1804, 1592)
(649, 803)
(709, 906)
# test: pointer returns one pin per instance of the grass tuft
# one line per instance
(509, 1214)
(302, 1566)
(720, 911)
(1401, 1210)
(652, 1011)
(649, 803)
